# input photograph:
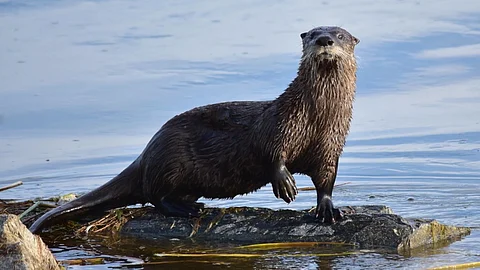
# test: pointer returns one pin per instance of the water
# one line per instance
(85, 84)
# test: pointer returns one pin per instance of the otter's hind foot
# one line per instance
(179, 208)
(325, 211)
(283, 184)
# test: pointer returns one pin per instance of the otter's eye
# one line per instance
(340, 36)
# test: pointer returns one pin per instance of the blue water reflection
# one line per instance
(85, 84)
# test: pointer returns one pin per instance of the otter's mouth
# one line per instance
(322, 53)
(325, 54)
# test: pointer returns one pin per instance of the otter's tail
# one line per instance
(124, 189)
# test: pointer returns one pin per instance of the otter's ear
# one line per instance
(303, 35)
(356, 40)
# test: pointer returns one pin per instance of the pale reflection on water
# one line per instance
(85, 84)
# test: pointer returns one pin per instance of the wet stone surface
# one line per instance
(365, 226)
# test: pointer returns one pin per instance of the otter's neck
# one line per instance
(316, 109)
(320, 88)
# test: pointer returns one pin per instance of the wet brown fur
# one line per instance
(227, 149)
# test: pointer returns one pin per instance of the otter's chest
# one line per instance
(322, 131)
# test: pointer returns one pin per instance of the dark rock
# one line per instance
(365, 226)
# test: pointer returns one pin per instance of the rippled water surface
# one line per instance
(85, 84)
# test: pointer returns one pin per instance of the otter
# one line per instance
(227, 149)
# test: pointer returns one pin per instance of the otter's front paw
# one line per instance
(325, 211)
(284, 185)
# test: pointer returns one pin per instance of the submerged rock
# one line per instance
(20, 249)
(372, 227)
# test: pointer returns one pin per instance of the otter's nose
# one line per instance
(324, 41)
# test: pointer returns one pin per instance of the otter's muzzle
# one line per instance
(327, 48)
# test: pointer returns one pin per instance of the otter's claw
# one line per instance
(325, 211)
(284, 184)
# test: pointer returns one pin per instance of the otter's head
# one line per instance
(328, 43)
